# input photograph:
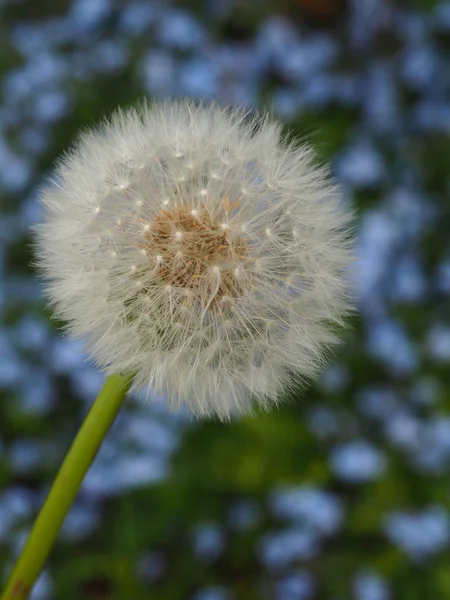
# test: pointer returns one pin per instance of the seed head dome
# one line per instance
(193, 247)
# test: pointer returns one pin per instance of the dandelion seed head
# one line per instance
(216, 264)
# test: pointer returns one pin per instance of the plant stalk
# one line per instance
(65, 487)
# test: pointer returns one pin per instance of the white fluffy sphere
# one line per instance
(192, 246)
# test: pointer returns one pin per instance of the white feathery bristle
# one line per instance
(189, 245)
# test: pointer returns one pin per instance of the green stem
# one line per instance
(67, 483)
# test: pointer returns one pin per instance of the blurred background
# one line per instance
(342, 493)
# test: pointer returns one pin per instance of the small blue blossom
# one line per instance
(145, 433)
(431, 115)
(319, 91)
(420, 534)
(369, 586)
(179, 30)
(296, 586)
(159, 72)
(316, 508)
(16, 504)
(357, 461)
(10, 365)
(209, 541)
(287, 101)
(425, 391)
(50, 106)
(25, 455)
(443, 276)
(419, 66)
(323, 422)
(80, 521)
(43, 587)
(438, 342)
(365, 19)
(377, 402)
(66, 356)
(88, 14)
(381, 97)
(243, 515)
(116, 470)
(408, 283)
(403, 429)
(110, 56)
(361, 165)
(274, 40)
(334, 378)
(137, 16)
(15, 169)
(37, 396)
(198, 78)
(389, 342)
(411, 213)
(281, 548)
(34, 139)
(137, 470)
(442, 15)
(87, 381)
(432, 452)
(308, 57)
(376, 241)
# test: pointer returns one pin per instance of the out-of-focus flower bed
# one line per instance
(344, 493)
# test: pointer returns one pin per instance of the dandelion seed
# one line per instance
(209, 319)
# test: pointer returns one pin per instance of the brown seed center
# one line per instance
(191, 243)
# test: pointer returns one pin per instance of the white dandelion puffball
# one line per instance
(193, 247)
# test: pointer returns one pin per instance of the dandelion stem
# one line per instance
(67, 483)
